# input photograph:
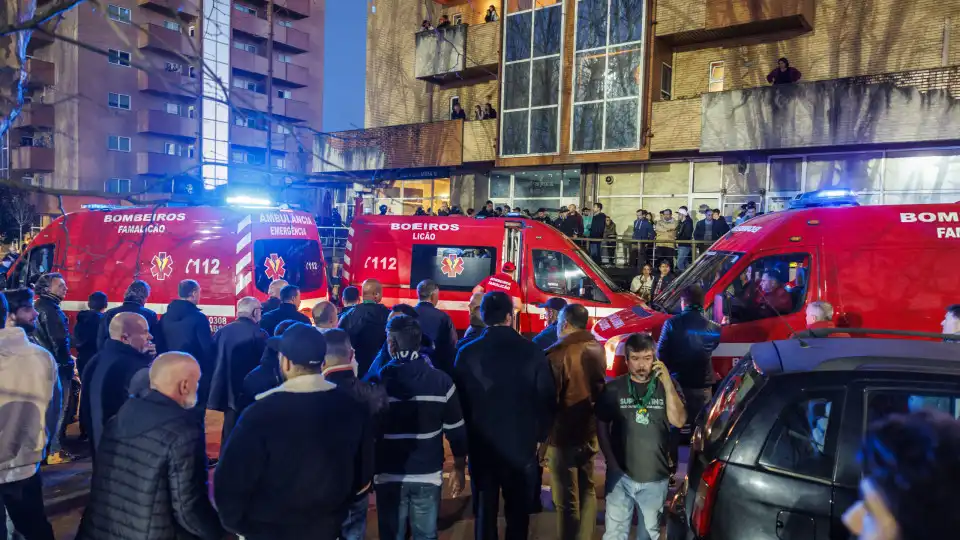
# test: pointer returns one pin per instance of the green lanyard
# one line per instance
(647, 396)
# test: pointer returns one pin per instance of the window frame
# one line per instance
(533, 269)
(119, 181)
(245, 9)
(119, 57)
(417, 276)
(172, 25)
(666, 74)
(740, 267)
(606, 49)
(179, 107)
(711, 80)
(502, 113)
(120, 139)
(119, 101)
(832, 437)
(119, 17)
(175, 146)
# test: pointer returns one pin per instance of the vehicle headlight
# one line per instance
(611, 348)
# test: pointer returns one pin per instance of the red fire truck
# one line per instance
(883, 267)
(459, 252)
(231, 252)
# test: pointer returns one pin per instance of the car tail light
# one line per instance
(705, 498)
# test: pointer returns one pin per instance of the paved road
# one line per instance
(456, 514)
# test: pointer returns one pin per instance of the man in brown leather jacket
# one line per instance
(579, 367)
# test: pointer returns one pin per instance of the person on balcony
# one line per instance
(425, 26)
(444, 22)
(478, 113)
(489, 111)
(783, 73)
(491, 14)
(457, 113)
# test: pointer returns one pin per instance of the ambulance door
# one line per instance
(747, 317)
(513, 252)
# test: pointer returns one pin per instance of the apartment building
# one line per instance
(170, 96)
(655, 104)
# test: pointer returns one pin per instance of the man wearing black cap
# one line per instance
(549, 335)
(295, 459)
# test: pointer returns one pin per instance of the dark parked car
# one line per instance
(774, 455)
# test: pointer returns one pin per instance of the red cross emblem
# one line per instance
(274, 266)
(161, 266)
(452, 266)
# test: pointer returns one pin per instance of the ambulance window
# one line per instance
(298, 262)
(453, 268)
(557, 274)
(768, 287)
(35, 263)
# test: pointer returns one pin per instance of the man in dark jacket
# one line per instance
(273, 293)
(107, 379)
(686, 346)
(572, 224)
(549, 336)
(53, 334)
(150, 481)
(508, 395)
(597, 228)
(289, 310)
(685, 233)
(476, 323)
(85, 339)
(240, 346)
(707, 230)
(350, 298)
(186, 329)
(366, 324)
(436, 325)
(134, 300)
(340, 368)
(644, 231)
(294, 459)
(265, 376)
(409, 465)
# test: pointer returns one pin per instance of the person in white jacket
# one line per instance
(29, 409)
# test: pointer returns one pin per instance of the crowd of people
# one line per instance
(321, 411)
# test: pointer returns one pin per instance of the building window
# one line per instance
(282, 129)
(285, 58)
(117, 185)
(249, 47)
(173, 149)
(170, 25)
(118, 13)
(284, 94)
(666, 82)
(191, 111)
(174, 109)
(286, 24)
(716, 77)
(608, 71)
(531, 80)
(533, 189)
(118, 144)
(281, 163)
(239, 156)
(246, 121)
(190, 151)
(458, 18)
(118, 101)
(120, 58)
(245, 9)
(192, 30)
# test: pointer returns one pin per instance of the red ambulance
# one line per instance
(231, 252)
(459, 252)
(881, 267)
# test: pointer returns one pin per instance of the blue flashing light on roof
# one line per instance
(825, 198)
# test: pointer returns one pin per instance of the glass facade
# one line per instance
(531, 78)
(403, 197)
(215, 123)
(533, 189)
(608, 75)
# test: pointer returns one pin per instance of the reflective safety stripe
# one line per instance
(453, 426)
(393, 436)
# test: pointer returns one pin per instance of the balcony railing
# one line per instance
(32, 159)
(40, 73)
(36, 115)
(160, 38)
(163, 123)
(158, 164)
(457, 52)
(256, 26)
(169, 84)
(172, 7)
(901, 107)
(703, 23)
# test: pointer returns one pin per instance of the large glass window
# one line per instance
(557, 274)
(453, 268)
(531, 78)
(406, 197)
(534, 189)
(608, 74)
(298, 262)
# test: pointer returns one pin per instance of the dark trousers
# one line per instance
(519, 494)
(229, 422)
(23, 501)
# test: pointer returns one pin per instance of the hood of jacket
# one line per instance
(180, 310)
(89, 316)
(140, 415)
(579, 337)
(369, 313)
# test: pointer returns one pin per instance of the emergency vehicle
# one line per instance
(459, 252)
(231, 252)
(890, 267)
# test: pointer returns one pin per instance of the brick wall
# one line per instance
(849, 39)
(675, 125)
(674, 16)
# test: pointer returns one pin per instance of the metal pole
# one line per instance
(270, 91)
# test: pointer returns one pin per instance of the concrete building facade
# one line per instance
(643, 104)
(162, 88)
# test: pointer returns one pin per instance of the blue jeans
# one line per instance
(355, 526)
(623, 494)
(397, 502)
(683, 257)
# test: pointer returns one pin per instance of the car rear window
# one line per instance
(743, 382)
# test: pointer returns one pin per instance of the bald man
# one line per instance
(150, 480)
(273, 292)
(366, 324)
(239, 346)
(325, 315)
(107, 379)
